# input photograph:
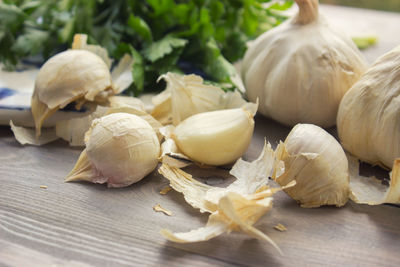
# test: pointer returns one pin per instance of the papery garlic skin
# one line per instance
(73, 75)
(121, 149)
(301, 69)
(368, 120)
(187, 95)
(319, 165)
(215, 137)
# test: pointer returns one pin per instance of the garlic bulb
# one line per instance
(319, 165)
(215, 137)
(73, 75)
(368, 120)
(120, 150)
(301, 69)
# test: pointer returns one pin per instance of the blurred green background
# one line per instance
(387, 5)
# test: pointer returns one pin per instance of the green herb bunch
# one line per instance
(161, 35)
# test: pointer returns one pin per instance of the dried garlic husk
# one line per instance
(121, 149)
(27, 135)
(301, 69)
(73, 75)
(187, 95)
(371, 191)
(368, 119)
(234, 208)
(216, 137)
(319, 165)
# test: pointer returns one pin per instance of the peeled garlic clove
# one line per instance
(73, 75)
(319, 165)
(301, 69)
(121, 149)
(215, 137)
(368, 120)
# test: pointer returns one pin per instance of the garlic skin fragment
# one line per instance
(187, 95)
(301, 69)
(368, 120)
(371, 191)
(121, 149)
(73, 75)
(215, 137)
(319, 165)
(234, 208)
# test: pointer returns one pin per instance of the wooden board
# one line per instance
(79, 224)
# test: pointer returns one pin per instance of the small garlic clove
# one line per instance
(73, 75)
(216, 137)
(121, 149)
(318, 164)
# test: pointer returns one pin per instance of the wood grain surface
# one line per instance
(74, 224)
(80, 224)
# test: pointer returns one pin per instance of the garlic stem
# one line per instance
(308, 11)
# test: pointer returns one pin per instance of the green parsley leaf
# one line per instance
(163, 47)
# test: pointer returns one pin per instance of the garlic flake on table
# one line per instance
(316, 161)
(234, 208)
(368, 120)
(301, 69)
(121, 149)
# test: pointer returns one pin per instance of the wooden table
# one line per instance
(80, 224)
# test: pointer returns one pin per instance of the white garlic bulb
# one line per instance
(215, 137)
(121, 149)
(301, 69)
(319, 165)
(73, 75)
(368, 120)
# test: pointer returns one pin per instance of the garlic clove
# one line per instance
(73, 75)
(121, 148)
(215, 137)
(318, 164)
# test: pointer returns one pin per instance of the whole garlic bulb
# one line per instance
(319, 165)
(73, 75)
(121, 149)
(216, 137)
(368, 120)
(301, 69)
